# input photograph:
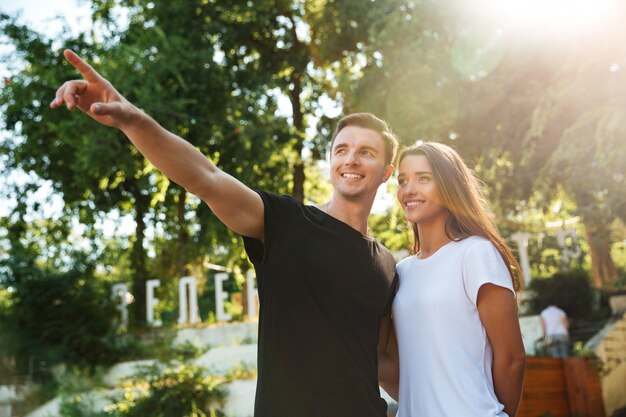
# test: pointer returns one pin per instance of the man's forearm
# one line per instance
(173, 156)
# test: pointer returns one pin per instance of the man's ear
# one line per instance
(388, 172)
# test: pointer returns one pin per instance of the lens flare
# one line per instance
(550, 17)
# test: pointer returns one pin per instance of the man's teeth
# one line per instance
(352, 176)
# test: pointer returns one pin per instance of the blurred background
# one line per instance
(531, 93)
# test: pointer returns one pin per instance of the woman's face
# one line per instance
(417, 192)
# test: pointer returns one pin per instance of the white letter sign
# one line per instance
(220, 296)
(118, 292)
(151, 302)
(185, 303)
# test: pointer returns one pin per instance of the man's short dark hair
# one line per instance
(371, 122)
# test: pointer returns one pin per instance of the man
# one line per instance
(555, 328)
(325, 287)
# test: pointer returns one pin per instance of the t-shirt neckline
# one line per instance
(342, 223)
(435, 254)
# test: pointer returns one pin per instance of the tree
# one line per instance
(162, 57)
(38, 325)
(93, 175)
(306, 45)
(521, 106)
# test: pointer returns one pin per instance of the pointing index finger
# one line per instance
(88, 72)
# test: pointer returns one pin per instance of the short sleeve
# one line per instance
(277, 212)
(483, 264)
(393, 289)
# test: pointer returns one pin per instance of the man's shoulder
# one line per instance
(278, 202)
(383, 250)
(275, 196)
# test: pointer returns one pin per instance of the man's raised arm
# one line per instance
(236, 205)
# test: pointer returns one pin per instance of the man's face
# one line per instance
(357, 163)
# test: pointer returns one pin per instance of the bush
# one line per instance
(571, 291)
(56, 317)
(180, 391)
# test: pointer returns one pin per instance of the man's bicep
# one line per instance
(236, 205)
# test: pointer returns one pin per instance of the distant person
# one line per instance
(455, 315)
(555, 327)
(325, 285)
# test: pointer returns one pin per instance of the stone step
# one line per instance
(220, 360)
(219, 335)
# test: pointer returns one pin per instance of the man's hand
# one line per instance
(236, 205)
(94, 95)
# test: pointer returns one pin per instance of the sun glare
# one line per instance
(550, 17)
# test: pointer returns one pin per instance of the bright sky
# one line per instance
(39, 13)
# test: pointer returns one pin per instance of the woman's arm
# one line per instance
(388, 362)
(498, 313)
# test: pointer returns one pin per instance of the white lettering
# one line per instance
(187, 303)
(253, 293)
(220, 296)
(151, 302)
(119, 292)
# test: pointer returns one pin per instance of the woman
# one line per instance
(455, 313)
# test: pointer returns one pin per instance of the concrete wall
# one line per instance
(531, 332)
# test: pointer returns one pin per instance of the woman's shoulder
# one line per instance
(475, 243)
(404, 262)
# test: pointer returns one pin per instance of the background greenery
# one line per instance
(539, 120)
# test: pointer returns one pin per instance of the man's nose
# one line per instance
(352, 158)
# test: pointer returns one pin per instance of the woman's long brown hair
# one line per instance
(463, 196)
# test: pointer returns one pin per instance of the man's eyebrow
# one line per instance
(369, 148)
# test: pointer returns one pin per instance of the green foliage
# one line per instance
(518, 110)
(51, 310)
(579, 349)
(391, 228)
(77, 405)
(165, 61)
(241, 372)
(570, 291)
(180, 391)
(618, 252)
(175, 390)
(59, 317)
(41, 393)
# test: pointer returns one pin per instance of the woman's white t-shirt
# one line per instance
(445, 356)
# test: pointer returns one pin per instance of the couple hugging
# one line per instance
(438, 331)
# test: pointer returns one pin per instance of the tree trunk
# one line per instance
(298, 123)
(603, 271)
(138, 256)
(183, 236)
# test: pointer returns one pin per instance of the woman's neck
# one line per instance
(432, 236)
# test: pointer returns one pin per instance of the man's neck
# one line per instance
(353, 213)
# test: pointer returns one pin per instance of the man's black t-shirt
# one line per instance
(323, 290)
